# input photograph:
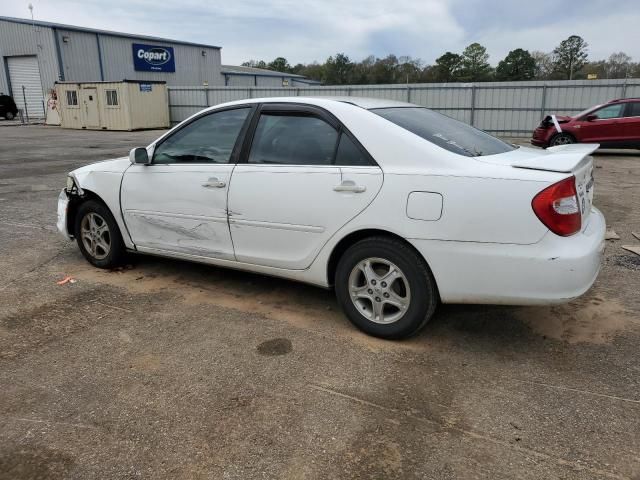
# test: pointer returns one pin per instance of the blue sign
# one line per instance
(145, 87)
(153, 58)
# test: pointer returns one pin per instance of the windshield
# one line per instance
(584, 112)
(445, 132)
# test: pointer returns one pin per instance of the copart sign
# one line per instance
(153, 58)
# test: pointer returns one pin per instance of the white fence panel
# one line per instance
(507, 108)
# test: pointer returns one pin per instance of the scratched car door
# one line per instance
(179, 202)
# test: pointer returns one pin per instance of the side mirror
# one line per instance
(139, 156)
(591, 117)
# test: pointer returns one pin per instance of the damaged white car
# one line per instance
(395, 206)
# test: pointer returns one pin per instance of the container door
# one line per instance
(90, 105)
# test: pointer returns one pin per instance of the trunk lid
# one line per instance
(574, 159)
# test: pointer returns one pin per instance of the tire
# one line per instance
(561, 139)
(382, 254)
(9, 116)
(98, 235)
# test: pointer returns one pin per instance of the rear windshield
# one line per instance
(450, 134)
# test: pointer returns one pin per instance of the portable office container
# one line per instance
(125, 105)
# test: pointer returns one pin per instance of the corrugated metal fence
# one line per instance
(505, 108)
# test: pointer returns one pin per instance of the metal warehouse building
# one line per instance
(37, 54)
(259, 77)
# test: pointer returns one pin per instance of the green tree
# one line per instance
(384, 70)
(280, 64)
(570, 56)
(475, 65)
(255, 64)
(597, 68)
(338, 70)
(314, 71)
(544, 65)
(618, 65)
(409, 70)
(517, 65)
(447, 68)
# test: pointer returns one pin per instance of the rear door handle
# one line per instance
(213, 182)
(349, 186)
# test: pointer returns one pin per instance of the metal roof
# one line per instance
(74, 28)
(261, 72)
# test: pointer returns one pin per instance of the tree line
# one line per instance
(569, 60)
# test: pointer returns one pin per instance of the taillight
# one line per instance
(558, 208)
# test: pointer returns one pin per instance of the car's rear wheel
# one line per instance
(561, 139)
(9, 115)
(98, 235)
(385, 288)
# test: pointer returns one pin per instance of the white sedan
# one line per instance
(395, 206)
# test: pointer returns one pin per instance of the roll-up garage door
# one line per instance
(24, 71)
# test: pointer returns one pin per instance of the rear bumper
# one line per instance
(554, 270)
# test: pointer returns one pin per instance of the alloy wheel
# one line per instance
(95, 235)
(379, 290)
(562, 140)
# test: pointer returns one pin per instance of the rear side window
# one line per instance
(633, 109)
(445, 132)
(208, 139)
(349, 154)
(293, 140)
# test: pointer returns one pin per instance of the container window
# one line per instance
(72, 98)
(112, 98)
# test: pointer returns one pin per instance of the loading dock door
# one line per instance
(24, 71)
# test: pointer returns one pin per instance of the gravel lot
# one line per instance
(168, 369)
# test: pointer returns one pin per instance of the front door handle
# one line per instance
(213, 182)
(349, 186)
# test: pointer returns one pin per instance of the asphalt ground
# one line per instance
(168, 369)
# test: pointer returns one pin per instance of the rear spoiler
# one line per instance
(563, 158)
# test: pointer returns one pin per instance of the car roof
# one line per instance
(367, 103)
(624, 100)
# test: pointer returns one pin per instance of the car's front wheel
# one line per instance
(98, 235)
(561, 139)
(9, 115)
(385, 288)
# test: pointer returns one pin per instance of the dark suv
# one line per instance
(615, 124)
(8, 108)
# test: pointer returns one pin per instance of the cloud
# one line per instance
(308, 30)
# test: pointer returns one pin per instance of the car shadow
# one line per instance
(484, 327)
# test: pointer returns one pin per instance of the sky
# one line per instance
(304, 31)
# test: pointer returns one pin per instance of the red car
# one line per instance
(615, 124)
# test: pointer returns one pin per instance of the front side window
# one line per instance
(112, 98)
(610, 111)
(208, 139)
(445, 132)
(72, 98)
(292, 139)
